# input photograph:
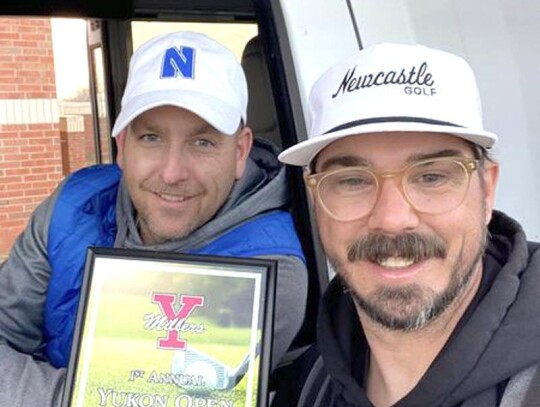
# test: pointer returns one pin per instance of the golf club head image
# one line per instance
(208, 373)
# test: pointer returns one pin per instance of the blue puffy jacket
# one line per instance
(85, 215)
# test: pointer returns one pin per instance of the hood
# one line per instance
(262, 188)
(494, 341)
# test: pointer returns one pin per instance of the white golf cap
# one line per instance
(187, 70)
(393, 87)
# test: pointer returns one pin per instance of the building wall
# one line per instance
(30, 155)
(76, 136)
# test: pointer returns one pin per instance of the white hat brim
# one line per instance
(225, 118)
(302, 153)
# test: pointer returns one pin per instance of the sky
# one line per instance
(70, 55)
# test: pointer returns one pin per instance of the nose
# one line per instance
(392, 213)
(175, 165)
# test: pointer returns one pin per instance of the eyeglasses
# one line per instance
(431, 186)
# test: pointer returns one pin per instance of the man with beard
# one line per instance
(435, 301)
(190, 179)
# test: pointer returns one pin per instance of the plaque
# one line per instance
(172, 330)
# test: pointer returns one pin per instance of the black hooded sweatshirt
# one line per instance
(497, 338)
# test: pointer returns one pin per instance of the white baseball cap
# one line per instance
(187, 70)
(393, 87)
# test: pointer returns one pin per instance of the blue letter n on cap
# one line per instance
(178, 61)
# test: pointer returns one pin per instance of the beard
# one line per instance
(164, 227)
(411, 307)
(155, 235)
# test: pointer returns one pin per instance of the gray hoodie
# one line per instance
(27, 380)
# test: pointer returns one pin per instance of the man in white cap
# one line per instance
(190, 179)
(436, 295)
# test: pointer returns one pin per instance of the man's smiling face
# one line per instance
(179, 170)
(405, 267)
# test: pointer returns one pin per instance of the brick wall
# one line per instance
(26, 59)
(76, 136)
(30, 156)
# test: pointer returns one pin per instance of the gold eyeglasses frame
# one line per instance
(313, 181)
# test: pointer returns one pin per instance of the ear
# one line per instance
(120, 143)
(244, 141)
(491, 175)
(309, 189)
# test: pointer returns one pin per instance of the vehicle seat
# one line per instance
(263, 120)
(261, 112)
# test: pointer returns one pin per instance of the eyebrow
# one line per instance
(344, 161)
(155, 127)
(207, 128)
(449, 152)
(141, 124)
(356, 161)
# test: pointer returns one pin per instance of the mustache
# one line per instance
(378, 247)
